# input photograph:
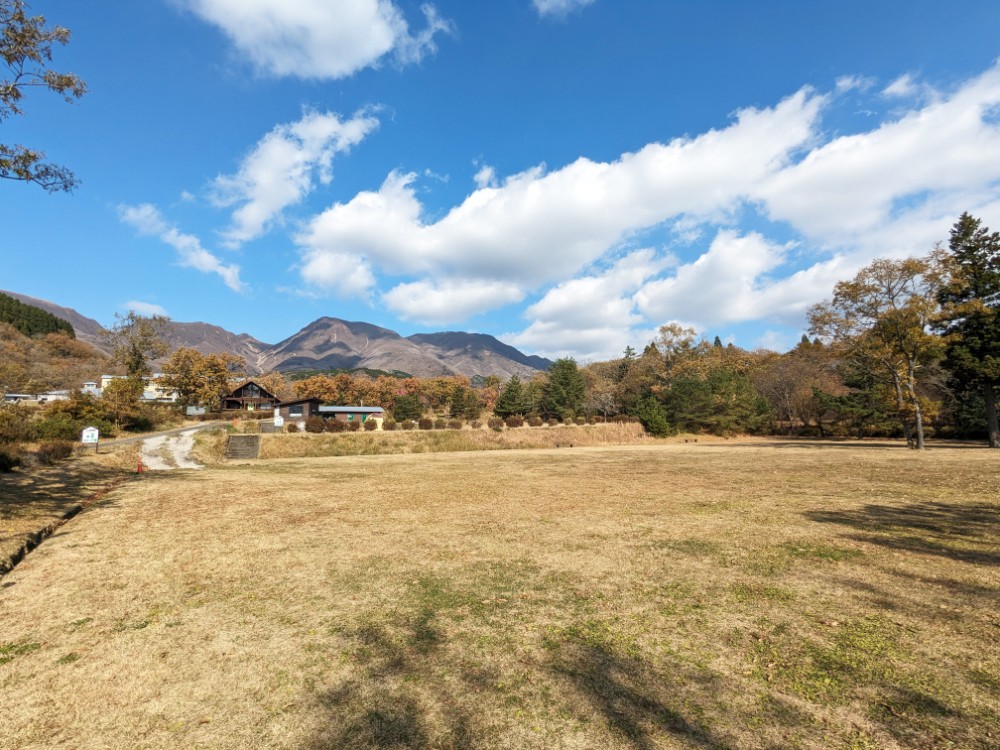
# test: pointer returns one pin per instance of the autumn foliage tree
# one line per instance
(882, 319)
(201, 379)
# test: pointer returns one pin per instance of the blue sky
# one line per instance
(567, 175)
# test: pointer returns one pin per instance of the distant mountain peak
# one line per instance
(334, 343)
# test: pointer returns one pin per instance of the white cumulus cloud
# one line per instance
(727, 283)
(147, 219)
(855, 183)
(591, 315)
(439, 302)
(541, 227)
(320, 39)
(144, 308)
(558, 8)
(340, 274)
(282, 168)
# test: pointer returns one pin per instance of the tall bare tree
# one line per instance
(136, 341)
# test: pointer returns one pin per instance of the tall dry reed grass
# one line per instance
(306, 445)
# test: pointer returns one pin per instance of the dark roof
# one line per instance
(351, 409)
(312, 400)
(264, 393)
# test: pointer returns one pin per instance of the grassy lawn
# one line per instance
(722, 595)
(34, 501)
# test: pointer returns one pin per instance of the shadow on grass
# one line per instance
(640, 705)
(966, 533)
(412, 689)
(396, 699)
(50, 491)
(34, 504)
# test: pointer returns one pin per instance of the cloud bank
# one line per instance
(724, 203)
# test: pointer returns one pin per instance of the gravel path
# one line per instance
(166, 452)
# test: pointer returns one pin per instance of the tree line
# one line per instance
(30, 320)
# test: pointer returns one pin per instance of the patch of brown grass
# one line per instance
(33, 501)
(748, 595)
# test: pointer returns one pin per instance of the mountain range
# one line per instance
(331, 343)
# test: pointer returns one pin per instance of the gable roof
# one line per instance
(264, 393)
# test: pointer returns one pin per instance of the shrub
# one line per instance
(581, 420)
(291, 427)
(426, 424)
(514, 420)
(440, 423)
(8, 461)
(409, 424)
(315, 424)
(250, 427)
(389, 425)
(475, 424)
(495, 424)
(371, 425)
(15, 423)
(597, 420)
(553, 422)
(59, 426)
(455, 424)
(51, 451)
(354, 426)
(535, 421)
(653, 417)
(335, 425)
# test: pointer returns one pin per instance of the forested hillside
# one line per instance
(30, 320)
(53, 361)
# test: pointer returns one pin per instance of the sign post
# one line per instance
(91, 436)
(279, 421)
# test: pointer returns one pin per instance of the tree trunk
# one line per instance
(992, 426)
(918, 416)
(901, 408)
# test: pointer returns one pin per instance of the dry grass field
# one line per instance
(727, 595)
(33, 503)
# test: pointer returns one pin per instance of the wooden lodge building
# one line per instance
(249, 396)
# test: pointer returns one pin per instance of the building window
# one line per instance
(295, 411)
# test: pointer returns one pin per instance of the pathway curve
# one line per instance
(164, 452)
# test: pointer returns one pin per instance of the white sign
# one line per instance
(90, 436)
(279, 421)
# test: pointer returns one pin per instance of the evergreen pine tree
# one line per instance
(512, 399)
(563, 393)
(972, 306)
